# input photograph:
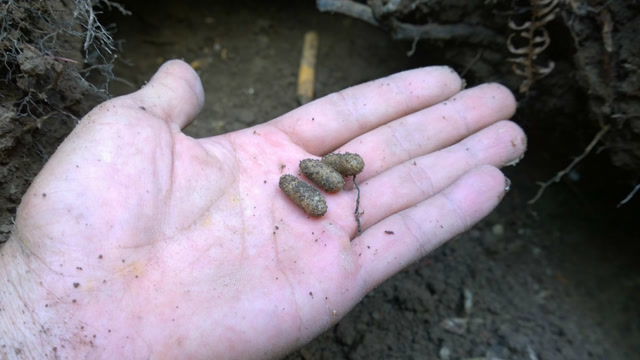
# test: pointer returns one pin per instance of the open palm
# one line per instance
(149, 243)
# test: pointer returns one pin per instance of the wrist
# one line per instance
(23, 332)
(36, 320)
(42, 315)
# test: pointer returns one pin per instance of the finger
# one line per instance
(391, 245)
(327, 123)
(433, 128)
(498, 145)
(173, 94)
(420, 178)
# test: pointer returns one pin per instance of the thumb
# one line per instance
(173, 94)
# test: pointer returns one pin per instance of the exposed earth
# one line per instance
(559, 279)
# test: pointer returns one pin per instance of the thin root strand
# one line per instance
(357, 212)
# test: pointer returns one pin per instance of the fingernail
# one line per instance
(507, 184)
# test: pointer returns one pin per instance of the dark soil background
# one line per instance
(559, 279)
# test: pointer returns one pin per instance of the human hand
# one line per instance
(137, 241)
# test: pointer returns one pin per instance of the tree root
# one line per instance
(382, 16)
(565, 171)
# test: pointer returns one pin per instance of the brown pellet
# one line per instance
(346, 164)
(322, 175)
(304, 195)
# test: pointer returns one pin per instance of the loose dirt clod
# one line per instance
(347, 164)
(48, 52)
(304, 195)
(322, 175)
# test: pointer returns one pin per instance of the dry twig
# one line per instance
(381, 15)
(349, 8)
(565, 171)
(630, 196)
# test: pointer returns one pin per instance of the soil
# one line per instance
(559, 279)
(43, 91)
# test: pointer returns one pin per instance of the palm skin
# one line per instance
(138, 241)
